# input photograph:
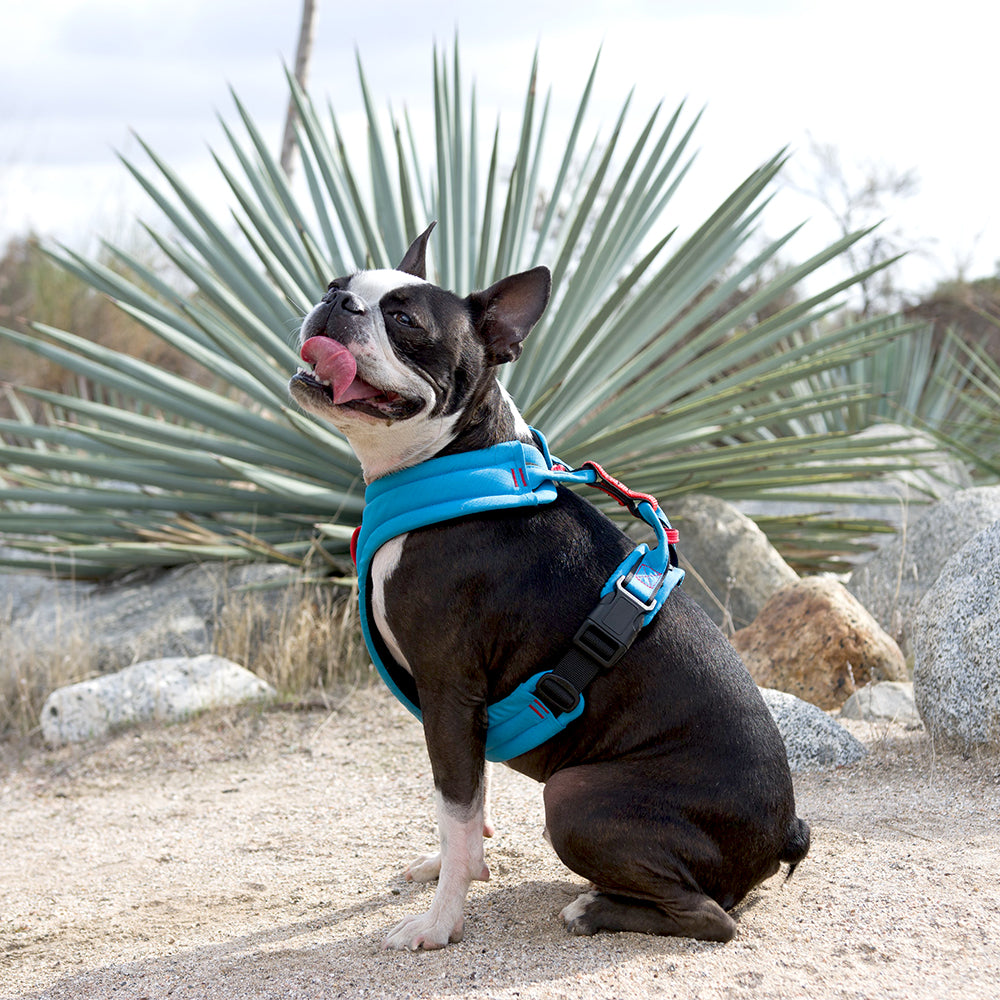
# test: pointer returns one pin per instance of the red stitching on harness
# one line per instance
(539, 709)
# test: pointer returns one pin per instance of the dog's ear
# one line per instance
(505, 312)
(415, 259)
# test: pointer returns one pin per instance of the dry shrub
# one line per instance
(32, 667)
(34, 288)
(307, 642)
(304, 639)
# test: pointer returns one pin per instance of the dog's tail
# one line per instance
(796, 844)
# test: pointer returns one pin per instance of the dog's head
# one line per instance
(390, 353)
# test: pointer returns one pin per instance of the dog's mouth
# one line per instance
(334, 378)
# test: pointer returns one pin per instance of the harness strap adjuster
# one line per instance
(557, 694)
(644, 606)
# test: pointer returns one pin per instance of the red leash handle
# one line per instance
(627, 497)
(619, 491)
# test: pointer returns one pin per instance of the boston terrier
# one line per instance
(671, 792)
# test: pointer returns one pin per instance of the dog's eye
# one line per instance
(404, 319)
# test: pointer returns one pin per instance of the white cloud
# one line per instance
(882, 80)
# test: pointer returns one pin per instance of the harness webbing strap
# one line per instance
(510, 475)
(506, 476)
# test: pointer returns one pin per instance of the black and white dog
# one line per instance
(671, 793)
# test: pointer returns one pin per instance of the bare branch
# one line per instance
(302, 53)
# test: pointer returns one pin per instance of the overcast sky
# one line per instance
(907, 86)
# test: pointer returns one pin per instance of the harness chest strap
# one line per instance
(507, 476)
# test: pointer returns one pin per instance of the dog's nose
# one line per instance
(338, 298)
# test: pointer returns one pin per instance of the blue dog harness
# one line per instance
(506, 476)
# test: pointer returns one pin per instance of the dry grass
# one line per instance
(33, 666)
(304, 639)
(306, 643)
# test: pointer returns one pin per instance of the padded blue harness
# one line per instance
(509, 475)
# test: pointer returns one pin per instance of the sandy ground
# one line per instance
(260, 855)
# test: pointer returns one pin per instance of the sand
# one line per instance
(260, 854)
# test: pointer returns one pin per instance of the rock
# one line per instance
(153, 615)
(21, 594)
(812, 739)
(893, 582)
(956, 642)
(887, 701)
(735, 567)
(166, 690)
(814, 640)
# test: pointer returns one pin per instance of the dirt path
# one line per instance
(259, 855)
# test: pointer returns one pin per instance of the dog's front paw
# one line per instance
(425, 931)
(426, 868)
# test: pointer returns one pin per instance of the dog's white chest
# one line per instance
(385, 562)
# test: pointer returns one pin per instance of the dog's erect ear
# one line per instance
(505, 312)
(415, 259)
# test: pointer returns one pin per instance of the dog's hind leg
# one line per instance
(679, 912)
(625, 839)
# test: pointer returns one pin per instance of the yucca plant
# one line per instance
(963, 411)
(641, 361)
(947, 388)
(948, 392)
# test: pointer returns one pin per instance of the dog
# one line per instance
(671, 792)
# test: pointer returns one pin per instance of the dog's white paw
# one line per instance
(572, 914)
(424, 932)
(426, 868)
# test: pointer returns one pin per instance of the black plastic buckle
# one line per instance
(557, 694)
(612, 626)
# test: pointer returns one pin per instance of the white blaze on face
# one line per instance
(378, 364)
(373, 286)
(381, 444)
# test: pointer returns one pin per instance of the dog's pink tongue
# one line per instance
(334, 363)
